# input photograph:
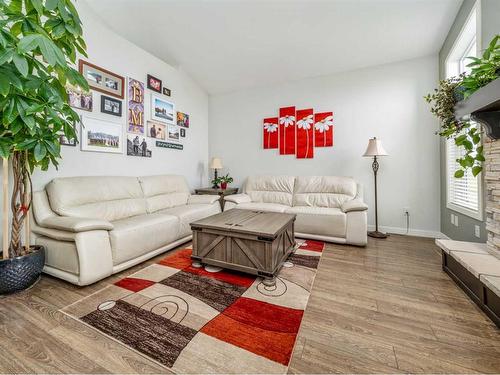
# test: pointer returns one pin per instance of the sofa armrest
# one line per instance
(202, 199)
(75, 224)
(354, 205)
(238, 198)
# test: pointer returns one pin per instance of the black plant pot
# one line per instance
(20, 273)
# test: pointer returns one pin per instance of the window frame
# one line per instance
(453, 65)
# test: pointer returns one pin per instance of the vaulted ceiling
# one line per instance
(227, 45)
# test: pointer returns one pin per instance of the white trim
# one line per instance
(478, 215)
(411, 232)
(451, 69)
(476, 9)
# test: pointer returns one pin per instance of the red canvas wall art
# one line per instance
(305, 133)
(287, 130)
(298, 132)
(270, 132)
(323, 129)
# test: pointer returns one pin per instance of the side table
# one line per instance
(220, 192)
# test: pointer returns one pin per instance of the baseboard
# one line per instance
(411, 232)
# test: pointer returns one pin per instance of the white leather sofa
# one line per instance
(328, 208)
(92, 227)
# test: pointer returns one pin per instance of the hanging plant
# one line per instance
(452, 90)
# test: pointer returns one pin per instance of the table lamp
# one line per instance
(375, 149)
(216, 164)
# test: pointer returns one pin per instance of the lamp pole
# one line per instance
(375, 150)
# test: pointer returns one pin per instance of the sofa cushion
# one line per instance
(270, 207)
(138, 235)
(270, 189)
(106, 198)
(323, 221)
(164, 191)
(189, 213)
(323, 191)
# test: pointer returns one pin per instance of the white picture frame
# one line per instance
(101, 136)
(162, 110)
(173, 133)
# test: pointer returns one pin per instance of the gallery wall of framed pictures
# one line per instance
(110, 128)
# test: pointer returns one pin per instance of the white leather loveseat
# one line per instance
(92, 227)
(328, 208)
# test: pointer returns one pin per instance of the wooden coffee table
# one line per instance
(254, 242)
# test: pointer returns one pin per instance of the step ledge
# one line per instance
(468, 247)
(472, 256)
(492, 282)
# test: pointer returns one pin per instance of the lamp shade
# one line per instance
(375, 148)
(216, 163)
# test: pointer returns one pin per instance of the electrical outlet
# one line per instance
(477, 231)
(456, 220)
(452, 219)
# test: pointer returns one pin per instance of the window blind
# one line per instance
(462, 192)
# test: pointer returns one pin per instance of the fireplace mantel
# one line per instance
(484, 107)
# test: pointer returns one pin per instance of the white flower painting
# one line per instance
(287, 120)
(270, 133)
(323, 125)
(305, 123)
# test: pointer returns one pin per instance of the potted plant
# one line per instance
(224, 180)
(452, 90)
(39, 40)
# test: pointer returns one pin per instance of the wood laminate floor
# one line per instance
(386, 308)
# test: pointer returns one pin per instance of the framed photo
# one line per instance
(102, 80)
(173, 133)
(111, 106)
(166, 91)
(154, 84)
(156, 130)
(162, 110)
(138, 146)
(183, 133)
(183, 119)
(79, 99)
(64, 141)
(135, 106)
(101, 136)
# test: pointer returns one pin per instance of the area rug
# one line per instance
(194, 321)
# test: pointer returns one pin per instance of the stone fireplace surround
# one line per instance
(492, 185)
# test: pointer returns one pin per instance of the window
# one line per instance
(464, 194)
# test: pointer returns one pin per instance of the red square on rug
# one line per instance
(265, 315)
(133, 284)
(272, 344)
(179, 260)
(313, 246)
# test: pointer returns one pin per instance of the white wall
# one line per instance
(384, 101)
(110, 51)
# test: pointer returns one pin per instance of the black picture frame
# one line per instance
(183, 133)
(166, 91)
(151, 87)
(105, 98)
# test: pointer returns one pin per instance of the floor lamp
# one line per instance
(375, 149)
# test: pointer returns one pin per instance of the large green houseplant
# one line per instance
(450, 91)
(39, 41)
